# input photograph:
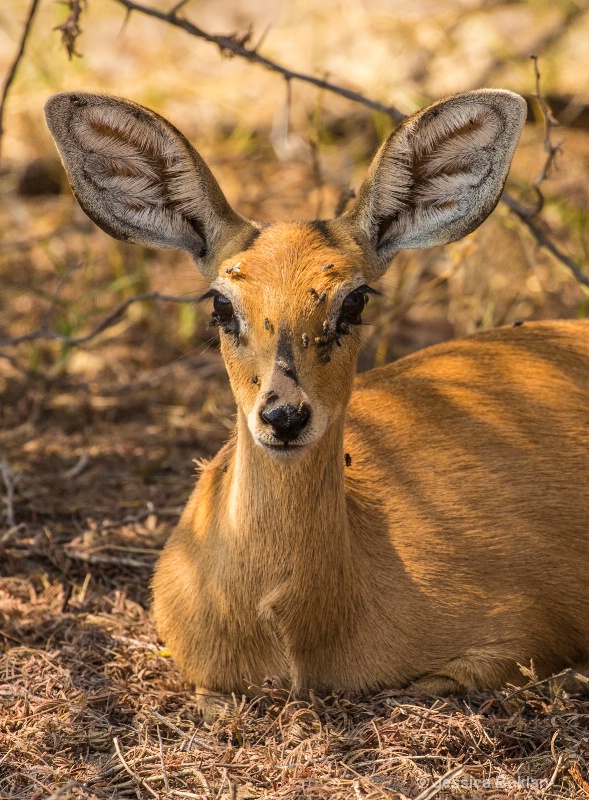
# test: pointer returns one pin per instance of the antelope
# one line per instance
(424, 523)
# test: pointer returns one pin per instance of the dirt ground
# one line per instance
(98, 441)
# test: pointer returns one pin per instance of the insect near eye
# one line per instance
(223, 309)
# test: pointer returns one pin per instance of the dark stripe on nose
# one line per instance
(285, 355)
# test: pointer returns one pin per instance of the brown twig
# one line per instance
(566, 673)
(526, 215)
(199, 741)
(236, 45)
(551, 149)
(16, 62)
(108, 322)
(128, 769)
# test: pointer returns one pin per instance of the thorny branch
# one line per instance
(16, 62)
(552, 150)
(527, 217)
(238, 46)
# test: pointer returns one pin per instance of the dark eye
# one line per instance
(352, 307)
(223, 309)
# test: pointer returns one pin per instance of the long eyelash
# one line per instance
(369, 290)
(207, 295)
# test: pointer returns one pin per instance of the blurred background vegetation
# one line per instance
(97, 440)
(287, 150)
(280, 149)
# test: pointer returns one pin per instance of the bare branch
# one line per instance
(15, 63)
(128, 769)
(551, 149)
(527, 217)
(236, 45)
(107, 322)
(527, 214)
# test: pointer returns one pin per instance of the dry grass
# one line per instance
(93, 710)
(97, 443)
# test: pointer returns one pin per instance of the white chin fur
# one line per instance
(282, 454)
(296, 450)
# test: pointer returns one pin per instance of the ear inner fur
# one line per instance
(139, 178)
(440, 173)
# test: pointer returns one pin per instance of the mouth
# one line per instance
(284, 451)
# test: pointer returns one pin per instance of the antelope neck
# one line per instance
(290, 505)
(293, 534)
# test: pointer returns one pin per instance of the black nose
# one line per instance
(287, 422)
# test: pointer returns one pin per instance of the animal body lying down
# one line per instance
(427, 522)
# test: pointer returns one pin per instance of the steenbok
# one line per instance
(427, 522)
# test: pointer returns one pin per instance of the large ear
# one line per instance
(139, 179)
(439, 174)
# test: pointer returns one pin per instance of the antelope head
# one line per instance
(288, 297)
